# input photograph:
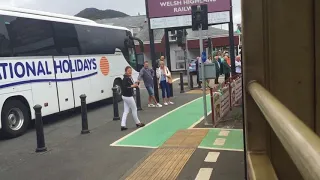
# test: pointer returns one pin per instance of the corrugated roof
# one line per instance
(143, 34)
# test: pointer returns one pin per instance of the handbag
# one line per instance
(169, 77)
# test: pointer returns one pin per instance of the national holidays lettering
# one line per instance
(23, 69)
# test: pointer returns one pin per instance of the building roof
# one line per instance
(211, 32)
(141, 22)
(135, 22)
(144, 34)
(128, 21)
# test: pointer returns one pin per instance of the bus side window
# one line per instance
(66, 39)
(92, 40)
(31, 37)
(5, 44)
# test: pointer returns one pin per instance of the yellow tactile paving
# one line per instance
(197, 91)
(167, 161)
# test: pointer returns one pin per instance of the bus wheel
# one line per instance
(15, 119)
(118, 84)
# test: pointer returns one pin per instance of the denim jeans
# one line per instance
(165, 89)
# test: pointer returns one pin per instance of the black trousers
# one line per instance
(226, 76)
(198, 79)
(216, 81)
(171, 90)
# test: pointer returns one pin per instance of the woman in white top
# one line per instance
(238, 65)
(164, 76)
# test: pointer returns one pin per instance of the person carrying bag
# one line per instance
(165, 80)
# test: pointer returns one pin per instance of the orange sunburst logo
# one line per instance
(104, 66)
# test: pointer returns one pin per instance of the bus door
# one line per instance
(139, 56)
(64, 83)
(81, 79)
(140, 61)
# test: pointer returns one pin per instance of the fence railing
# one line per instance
(224, 97)
(301, 143)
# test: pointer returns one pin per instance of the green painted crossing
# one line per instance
(232, 141)
(157, 132)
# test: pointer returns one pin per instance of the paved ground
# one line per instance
(214, 165)
(161, 129)
(232, 120)
(74, 156)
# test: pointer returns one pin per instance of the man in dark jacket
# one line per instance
(226, 68)
(198, 72)
(217, 66)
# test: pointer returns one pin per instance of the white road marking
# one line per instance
(219, 142)
(221, 129)
(223, 149)
(224, 133)
(212, 157)
(149, 147)
(201, 119)
(176, 79)
(204, 174)
(114, 143)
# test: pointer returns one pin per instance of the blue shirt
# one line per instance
(163, 76)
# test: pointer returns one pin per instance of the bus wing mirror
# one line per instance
(140, 43)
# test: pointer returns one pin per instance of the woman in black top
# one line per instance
(129, 102)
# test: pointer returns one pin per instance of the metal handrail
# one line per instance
(301, 143)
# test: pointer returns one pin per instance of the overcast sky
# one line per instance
(72, 7)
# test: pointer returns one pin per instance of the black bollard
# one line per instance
(41, 145)
(171, 90)
(138, 99)
(191, 81)
(84, 115)
(181, 83)
(115, 104)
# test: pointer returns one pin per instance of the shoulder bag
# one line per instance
(169, 77)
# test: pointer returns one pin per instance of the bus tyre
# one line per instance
(15, 118)
(118, 84)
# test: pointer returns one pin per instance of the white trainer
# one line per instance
(159, 105)
(151, 105)
(171, 102)
(166, 104)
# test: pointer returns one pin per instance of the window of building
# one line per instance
(173, 38)
(180, 60)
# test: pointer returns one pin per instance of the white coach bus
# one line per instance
(52, 59)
